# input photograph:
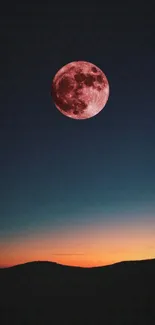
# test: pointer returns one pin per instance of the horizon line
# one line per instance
(73, 266)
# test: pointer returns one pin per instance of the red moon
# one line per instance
(80, 90)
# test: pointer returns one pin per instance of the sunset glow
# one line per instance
(91, 245)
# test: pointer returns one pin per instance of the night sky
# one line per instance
(78, 192)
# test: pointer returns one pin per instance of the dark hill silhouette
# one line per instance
(50, 293)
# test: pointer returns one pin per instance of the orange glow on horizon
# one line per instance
(90, 245)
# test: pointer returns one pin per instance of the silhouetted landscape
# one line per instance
(49, 293)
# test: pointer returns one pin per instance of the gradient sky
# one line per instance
(76, 192)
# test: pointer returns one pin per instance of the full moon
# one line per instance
(80, 90)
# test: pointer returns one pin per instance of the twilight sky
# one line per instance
(76, 192)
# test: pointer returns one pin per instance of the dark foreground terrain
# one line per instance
(48, 293)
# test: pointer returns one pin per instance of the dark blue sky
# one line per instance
(56, 171)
